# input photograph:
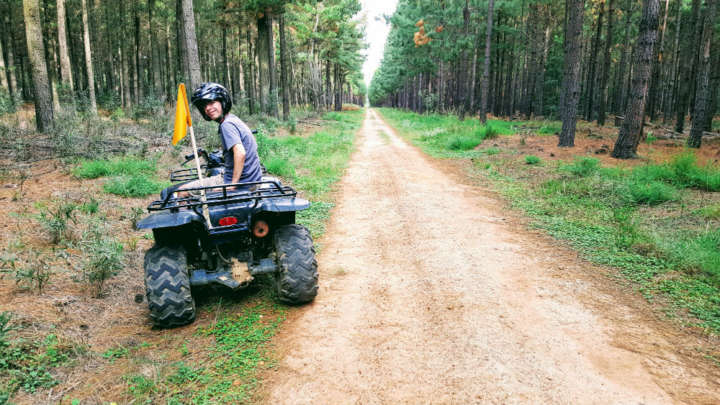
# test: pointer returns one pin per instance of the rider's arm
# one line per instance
(238, 161)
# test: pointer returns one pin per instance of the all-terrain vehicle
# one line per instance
(235, 234)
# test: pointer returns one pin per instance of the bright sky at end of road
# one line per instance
(376, 32)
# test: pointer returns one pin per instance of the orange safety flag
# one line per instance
(182, 115)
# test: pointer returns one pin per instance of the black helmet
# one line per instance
(211, 92)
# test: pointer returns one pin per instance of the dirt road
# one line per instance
(432, 293)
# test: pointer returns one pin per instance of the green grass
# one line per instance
(128, 176)
(27, 364)
(532, 160)
(684, 172)
(134, 186)
(549, 129)
(633, 220)
(227, 370)
(92, 169)
(446, 136)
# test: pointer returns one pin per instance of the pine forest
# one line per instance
(271, 54)
(640, 61)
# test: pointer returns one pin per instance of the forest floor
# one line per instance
(432, 291)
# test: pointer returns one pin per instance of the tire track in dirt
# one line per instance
(429, 296)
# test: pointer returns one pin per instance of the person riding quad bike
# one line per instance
(225, 230)
(242, 163)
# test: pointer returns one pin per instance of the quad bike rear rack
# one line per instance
(221, 195)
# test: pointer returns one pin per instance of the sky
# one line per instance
(376, 32)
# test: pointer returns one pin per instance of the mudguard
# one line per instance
(283, 204)
(166, 219)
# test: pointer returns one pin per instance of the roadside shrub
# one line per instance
(549, 129)
(133, 186)
(532, 160)
(117, 114)
(462, 142)
(697, 254)
(90, 207)
(7, 104)
(34, 274)
(135, 214)
(489, 132)
(54, 221)
(266, 146)
(280, 167)
(690, 174)
(652, 193)
(710, 212)
(582, 166)
(149, 107)
(682, 171)
(104, 257)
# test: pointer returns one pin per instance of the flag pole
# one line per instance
(206, 212)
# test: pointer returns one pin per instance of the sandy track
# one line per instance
(429, 294)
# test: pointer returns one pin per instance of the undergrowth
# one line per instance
(27, 364)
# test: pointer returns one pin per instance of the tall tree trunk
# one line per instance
(602, 102)
(36, 53)
(703, 92)
(671, 85)
(328, 89)
(139, 80)
(540, 78)
(66, 71)
(169, 68)
(486, 63)
(249, 72)
(284, 69)
(631, 129)
(658, 60)
(618, 100)
(590, 89)
(3, 69)
(688, 56)
(571, 75)
(6, 40)
(338, 87)
(153, 66)
(463, 76)
(192, 61)
(88, 59)
(225, 63)
(272, 82)
(124, 74)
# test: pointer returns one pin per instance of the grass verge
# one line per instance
(653, 223)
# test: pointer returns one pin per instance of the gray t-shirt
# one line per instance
(233, 131)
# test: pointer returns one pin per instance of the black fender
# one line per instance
(167, 219)
(283, 204)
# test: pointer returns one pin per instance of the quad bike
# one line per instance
(234, 235)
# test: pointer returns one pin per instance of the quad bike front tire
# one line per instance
(167, 286)
(296, 280)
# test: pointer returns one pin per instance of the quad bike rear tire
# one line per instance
(296, 280)
(167, 285)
